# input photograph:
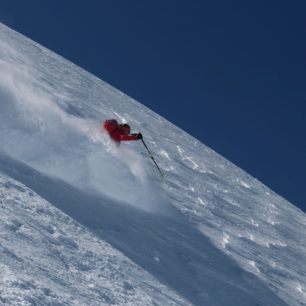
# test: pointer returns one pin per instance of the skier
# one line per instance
(120, 132)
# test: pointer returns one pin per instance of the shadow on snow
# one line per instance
(170, 249)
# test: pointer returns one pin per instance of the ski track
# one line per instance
(85, 222)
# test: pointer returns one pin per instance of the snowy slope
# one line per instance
(83, 222)
(49, 259)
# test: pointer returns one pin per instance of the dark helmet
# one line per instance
(126, 126)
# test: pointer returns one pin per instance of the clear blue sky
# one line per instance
(231, 73)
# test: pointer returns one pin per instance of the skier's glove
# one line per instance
(139, 136)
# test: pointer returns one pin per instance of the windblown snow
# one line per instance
(84, 222)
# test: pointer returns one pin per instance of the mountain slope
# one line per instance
(49, 259)
(209, 235)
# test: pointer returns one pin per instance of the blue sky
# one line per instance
(230, 73)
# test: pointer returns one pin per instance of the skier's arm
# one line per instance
(128, 137)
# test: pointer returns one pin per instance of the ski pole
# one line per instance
(152, 157)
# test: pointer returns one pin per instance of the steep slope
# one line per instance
(210, 234)
(49, 259)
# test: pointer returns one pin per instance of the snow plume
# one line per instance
(127, 179)
(34, 127)
(149, 193)
(37, 131)
(34, 109)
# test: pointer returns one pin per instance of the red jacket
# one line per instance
(118, 136)
(116, 133)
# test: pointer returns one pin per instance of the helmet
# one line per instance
(126, 126)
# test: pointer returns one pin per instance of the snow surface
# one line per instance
(86, 223)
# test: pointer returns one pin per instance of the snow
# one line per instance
(86, 223)
(47, 258)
